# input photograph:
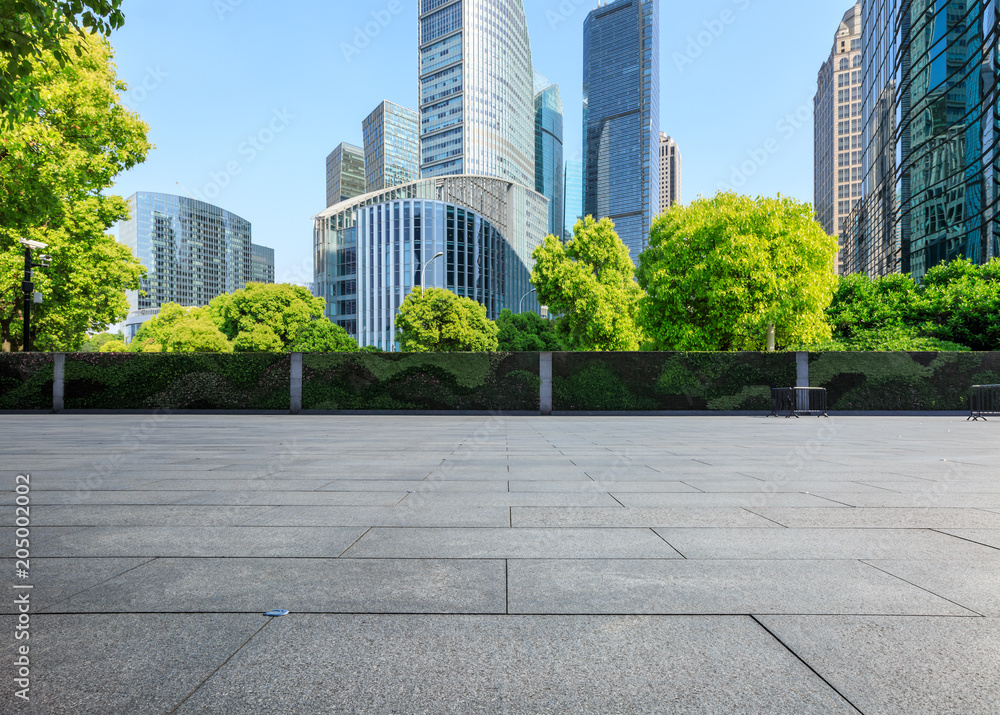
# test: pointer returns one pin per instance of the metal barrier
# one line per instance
(984, 401)
(799, 401)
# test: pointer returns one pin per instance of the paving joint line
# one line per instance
(355, 541)
(867, 562)
(943, 533)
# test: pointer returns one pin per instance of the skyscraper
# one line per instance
(345, 173)
(573, 201)
(670, 172)
(929, 102)
(549, 149)
(476, 90)
(392, 147)
(838, 128)
(621, 60)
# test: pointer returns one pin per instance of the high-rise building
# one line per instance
(838, 128)
(670, 172)
(345, 173)
(621, 61)
(573, 201)
(370, 251)
(262, 264)
(192, 251)
(476, 90)
(929, 103)
(549, 150)
(392, 147)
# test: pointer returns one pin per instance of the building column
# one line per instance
(296, 383)
(59, 382)
(802, 364)
(545, 394)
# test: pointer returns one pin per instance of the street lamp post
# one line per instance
(520, 305)
(29, 287)
(424, 270)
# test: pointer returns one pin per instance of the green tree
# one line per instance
(863, 305)
(94, 343)
(177, 329)
(720, 272)
(54, 167)
(960, 302)
(282, 308)
(31, 30)
(112, 346)
(259, 338)
(526, 333)
(437, 320)
(322, 336)
(590, 281)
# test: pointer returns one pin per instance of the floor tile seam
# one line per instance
(940, 530)
(539, 614)
(699, 490)
(750, 510)
(221, 666)
(867, 562)
(354, 543)
(805, 663)
(105, 581)
(669, 544)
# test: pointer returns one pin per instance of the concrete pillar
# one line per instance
(59, 382)
(545, 372)
(802, 362)
(296, 401)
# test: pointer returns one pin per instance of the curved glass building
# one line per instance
(549, 149)
(929, 89)
(476, 90)
(370, 251)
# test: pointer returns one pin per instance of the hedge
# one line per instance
(506, 382)
(26, 381)
(133, 381)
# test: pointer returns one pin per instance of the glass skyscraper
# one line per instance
(192, 251)
(549, 150)
(392, 141)
(476, 90)
(931, 122)
(345, 173)
(621, 60)
(573, 201)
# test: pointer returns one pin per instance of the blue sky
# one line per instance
(245, 98)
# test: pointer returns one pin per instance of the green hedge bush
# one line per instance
(26, 381)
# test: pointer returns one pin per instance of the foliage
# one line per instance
(526, 332)
(54, 165)
(437, 320)
(94, 343)
(177, 381)
(718, 272)
(177, 329)
(31, 31)
(861, 305)
(323, 336)
(421, 381)
(112, 346)
(590, 281)
(282, 308)
(26, 381)
(960, 303)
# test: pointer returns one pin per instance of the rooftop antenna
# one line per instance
(184, 190)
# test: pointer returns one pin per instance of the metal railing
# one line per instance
(984, 401)
(798, 401)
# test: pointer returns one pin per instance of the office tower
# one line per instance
(262, 264)
(370, 252)
(621, 61)
(345, 174)
(476, 90)
(929, 101)
(192, 251)
(573, 202)
(838, 128)
(670, 172)
(392, 145)
(549, 150)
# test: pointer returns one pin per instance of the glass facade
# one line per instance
(192, 251)
(621, 60)
(345, 174)
(392, 141)
(549, 150)
(930, 165)
(370, 252)
(262, 264)
(838, 128)
(573, 201)
(670, 172)
(476, 98)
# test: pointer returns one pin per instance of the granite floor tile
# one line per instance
(543, 485)
(881, 518)
(54, 580)
(988, 537)
(573, 517)
(425, 485)
(972, 581)
(716, 500)
(403, 515)
(295, 498)
(139, 515)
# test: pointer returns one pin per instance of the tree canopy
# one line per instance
(323, 336)
(526, 333)
(54, 167)
(177, 330)
(718, 272)
(437, 320)
(960, 302)
(590, 282)
(265, 317)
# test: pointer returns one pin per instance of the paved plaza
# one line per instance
(503, 564)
